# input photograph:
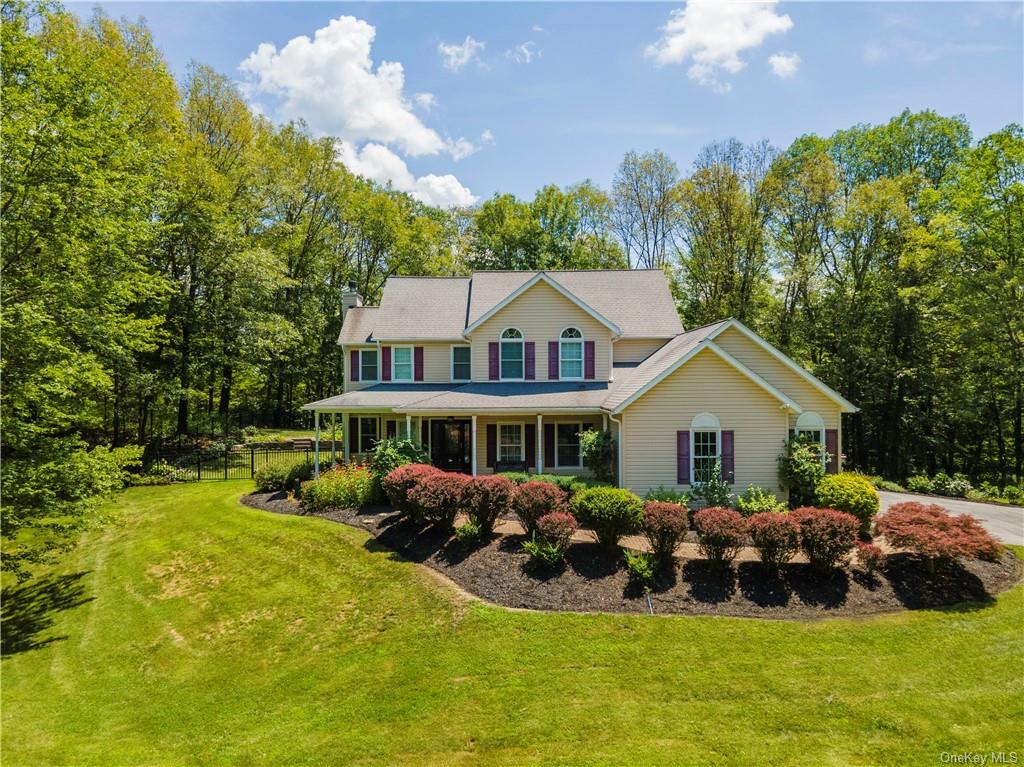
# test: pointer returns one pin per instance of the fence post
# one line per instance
(252, 463)
(199, 465)
(226, 451)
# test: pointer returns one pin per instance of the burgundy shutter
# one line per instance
(385, 363)
(530, 435)
(492, 361)
(589, 363)
(391, 429)
(353, 366)
(682, 457)
(832, 448)
(552, 360)
(353, 435)
(549, 444)
(728, 457)
(531, 361)
(424, 432)
(492, 445)
(417, 363)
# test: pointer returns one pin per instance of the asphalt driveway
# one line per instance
(1004, 522)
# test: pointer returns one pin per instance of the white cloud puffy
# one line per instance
(487, 136)
(524, 53)
(461, 148)
(784, 64)
(425, 101)
(711, 34)
(378, 163)
(455, 56)
(330, 82)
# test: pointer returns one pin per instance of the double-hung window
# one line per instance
(368, 370)
(570, 356)
(510, 443)
(567, 447)
(705, 447)
(367, 434)
(811, 428)
(460, 363)
(511, 355)
(401, 363)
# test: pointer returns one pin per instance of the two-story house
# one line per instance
(505, 370)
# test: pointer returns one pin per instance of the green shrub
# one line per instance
(800, 470)
(610, 512)
(551, 539)
(272, 478)
(919, 483)
(343, 487)
(1013, 494)
(892, 487)
(641, 567)
(598, 451)
(851, 493)
(516, 477)
(544, 554)
(757, 500)
(668, 495)
(956, 486)
(714, 492)
(388, 455)
(297, 474)
(468, 534)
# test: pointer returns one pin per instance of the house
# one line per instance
(504, 370)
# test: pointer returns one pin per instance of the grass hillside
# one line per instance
(199, 631)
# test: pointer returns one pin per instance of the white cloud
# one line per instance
(537, 28)
(784, 64)
(425, 101)
(923, 52)
(524, 53)
(711, 34)
(378, 163)
(457, 55)
(487, 136)
(461, 148)
(330, 82)
(875, 52)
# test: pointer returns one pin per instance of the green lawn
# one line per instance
(217, 634)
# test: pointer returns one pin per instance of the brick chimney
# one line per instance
(350, 299)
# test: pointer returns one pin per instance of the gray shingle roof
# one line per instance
(532, 396)
(638, 301)
(380, 397)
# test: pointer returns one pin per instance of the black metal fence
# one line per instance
(235, 462)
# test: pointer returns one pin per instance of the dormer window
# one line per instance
(571, 355)
(511, 356)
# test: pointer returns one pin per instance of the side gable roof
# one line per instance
(422, 308)
(537, 278)
(358, 325)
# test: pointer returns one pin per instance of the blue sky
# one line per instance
(482, 98)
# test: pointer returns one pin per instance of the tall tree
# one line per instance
(646, 207)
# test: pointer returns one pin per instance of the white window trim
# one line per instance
(561, 356)
(412, 364)
(522, 353)
(813, 422)
(359, 425)
(362, 367)
(579, 459)
(704, 423)
(522, 441)
(451, 363)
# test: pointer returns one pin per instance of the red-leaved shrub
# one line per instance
(485, 499)
(720, 533)
(870, 556)
(557, 528)
(665, 525)
(438, 497)
(775, 536)
(400, 482)
(929, 530)
(826, 536)
(532, 500)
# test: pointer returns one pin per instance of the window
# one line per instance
(401, 363)
(460, 363)
(368, 365)
(705, 447)
(570, 354)
(511, 355)
(510, 443)
(567, 444)
(811, 427)
(367, 434)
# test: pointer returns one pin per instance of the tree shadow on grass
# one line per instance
(709, 582)
(29, 609)
(951, 583)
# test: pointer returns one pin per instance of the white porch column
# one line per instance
(540, 444)
(345, 438)
(604, 422)
(334, 439)
(472, 445)
(316, 444)
(408, 426)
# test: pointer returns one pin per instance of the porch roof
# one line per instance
(533, 396)
(380, 397)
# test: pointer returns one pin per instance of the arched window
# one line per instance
(810, 426)
(511, 354)
(570, 354)
(705, 447)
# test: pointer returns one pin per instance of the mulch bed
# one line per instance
(592, 581)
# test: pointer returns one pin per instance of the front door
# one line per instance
(450, 444)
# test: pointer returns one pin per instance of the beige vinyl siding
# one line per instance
(351, 385)
(436, 363)
(481, 438)
(541, 313)
(705, 383)
(636, 349)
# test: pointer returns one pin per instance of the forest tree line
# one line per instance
(172, 261)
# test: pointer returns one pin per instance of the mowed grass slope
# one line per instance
(218, 634)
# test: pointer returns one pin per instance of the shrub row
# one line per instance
(282, 477)
(343, 487)
(930, 531)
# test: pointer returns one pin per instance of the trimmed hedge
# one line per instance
(775, 536)
(664, 525)
(720, 533)
(852, 493)
(929, 530)
(485, 499)
(533, 500)
(827, 536)
(438, 497)
(398, 484)
(610, 512)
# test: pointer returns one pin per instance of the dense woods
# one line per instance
(172, 262)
